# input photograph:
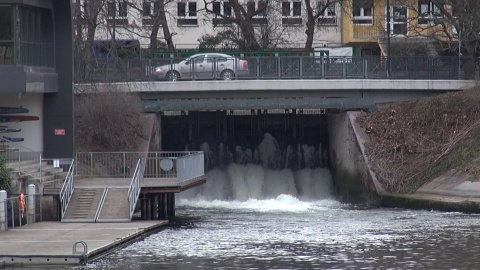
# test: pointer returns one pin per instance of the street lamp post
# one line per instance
(388, 38)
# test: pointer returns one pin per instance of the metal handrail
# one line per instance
(190, 167)
(67, 189)
(292, 67)
(14, 154)
(134, 189)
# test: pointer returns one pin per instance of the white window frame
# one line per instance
(428, 13)
(363, 17)
(327, 17)
(394, 22)
(291, 8)
(117, 9)
(187, 13)
(187, 10)
(261, 15)
(222, 8)
(151, 3)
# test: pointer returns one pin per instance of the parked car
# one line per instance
(204, 66)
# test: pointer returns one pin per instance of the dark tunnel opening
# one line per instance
(299, 137)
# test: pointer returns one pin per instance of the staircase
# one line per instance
(84, 205)
(47, 178)
(100, 204)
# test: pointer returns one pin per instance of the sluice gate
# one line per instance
(247, 136)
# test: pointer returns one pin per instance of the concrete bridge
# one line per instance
(346, 94)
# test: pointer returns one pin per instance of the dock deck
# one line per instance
(51, 243)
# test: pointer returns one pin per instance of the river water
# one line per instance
(296, 223)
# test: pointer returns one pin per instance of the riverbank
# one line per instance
(424, 154)
(58, 243)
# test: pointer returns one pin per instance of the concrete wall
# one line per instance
(31, 131)
(351, 176)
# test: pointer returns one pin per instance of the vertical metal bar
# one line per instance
(279, 67)
(301, 66)
(388, 40)
(257, 65)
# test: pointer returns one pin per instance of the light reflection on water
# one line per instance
(291, 234)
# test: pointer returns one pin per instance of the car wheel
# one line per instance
(172, 76)
(227, 75)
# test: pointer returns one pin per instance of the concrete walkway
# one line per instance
(51, 243)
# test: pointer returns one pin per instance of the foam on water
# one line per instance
(282, 203)
(264, 177)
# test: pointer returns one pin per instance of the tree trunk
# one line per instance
(248, 34)
(310, 31)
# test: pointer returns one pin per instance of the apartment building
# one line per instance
(360, 24)
(188, 20)
(366, 28)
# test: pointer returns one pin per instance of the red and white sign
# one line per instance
(60, 132)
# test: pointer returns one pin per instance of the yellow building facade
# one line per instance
(365, 25)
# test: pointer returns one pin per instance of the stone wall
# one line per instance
(352, 179)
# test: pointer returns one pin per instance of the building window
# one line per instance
(291, 12)
(362, 11)
(117, 13)
(6, 35)
(260, 7)
(329, 16)
(224, 9)
(149, 12)
(35, 38)
(428, 12)
(187, 13)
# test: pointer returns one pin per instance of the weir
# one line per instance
(254, 154)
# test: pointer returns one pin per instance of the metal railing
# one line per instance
(19, 159)
(134, 189)
(13, 214)
(190, 166)
(67, 189)
(289, 67)
(120, 164)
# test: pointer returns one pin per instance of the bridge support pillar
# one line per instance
(162, 206)
(170, 205)
(154, 201)
(143, 211)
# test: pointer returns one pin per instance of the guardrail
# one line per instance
(67, 189)
(134, 189)
(19, 158)
(15, 216)
(286, 67)
(190, 167)
(121, 164)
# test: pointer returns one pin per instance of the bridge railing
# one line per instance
(285, 67)
(184, 165)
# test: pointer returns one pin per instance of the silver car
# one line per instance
(204, 66)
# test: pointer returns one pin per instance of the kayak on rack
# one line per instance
(18, 118)
(13, 139)
(9, 130)
(7, 110)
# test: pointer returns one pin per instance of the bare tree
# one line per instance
(315, 10)
(454, 24)
(153, 13)
(244, 19)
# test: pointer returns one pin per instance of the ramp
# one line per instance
(115, 207)
(84, 205)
